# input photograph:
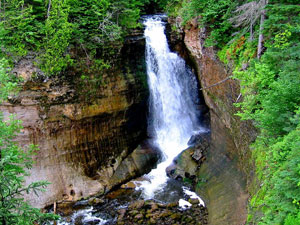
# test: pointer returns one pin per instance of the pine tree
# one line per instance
(14, 165)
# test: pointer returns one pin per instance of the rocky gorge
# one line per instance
(225, 177)
(89, 134)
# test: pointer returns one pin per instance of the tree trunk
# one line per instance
(49, 7)
(261, 28)
(251, 32)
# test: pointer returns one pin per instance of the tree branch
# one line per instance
(220, 82)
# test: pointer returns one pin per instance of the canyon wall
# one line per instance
(84, 126)
(227, 172)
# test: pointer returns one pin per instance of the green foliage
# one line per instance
(271, 90)
(238, 52)
(13, 169)
(279, 166)
(58, 32)
(53, 29)
(187, 181)
(292, 220)
(14, 165)
(213, 15)
(18, 28)
(91, 79)
(283, 17)
(7, 83)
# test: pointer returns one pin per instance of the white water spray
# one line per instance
(173, 92)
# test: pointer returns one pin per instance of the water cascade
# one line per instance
(173, 115)
(173, 119)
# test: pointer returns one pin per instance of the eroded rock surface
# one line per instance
(223, 176)
(84, 127)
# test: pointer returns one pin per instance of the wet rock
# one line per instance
(154, 213)
(129, 184)
(149, 215)
(165, 213)
(184, 166)
(201, 144)
(154, 207)
(95, 201)
(194, 201)
(65, 208)
(139, 216)
(172, 205)
(80, 204)
(170, 170)
(152, 221)
(187, 163)
(175, 216)
(139, 162)
(137, 204)
(133, 212)
(121, 213)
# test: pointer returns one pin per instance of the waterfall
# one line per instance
(173, 119)
(173, 115)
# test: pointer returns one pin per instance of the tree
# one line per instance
(14, 165)
(261, 28)
(247, 15)
(58, 32)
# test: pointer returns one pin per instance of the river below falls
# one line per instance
(127, 206)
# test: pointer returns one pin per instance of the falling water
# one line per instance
(173, 94)
(173, 115)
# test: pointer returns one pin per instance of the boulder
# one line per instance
(139, 162)
(187, 162)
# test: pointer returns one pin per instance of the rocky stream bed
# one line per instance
(117, 208)
(127, 205)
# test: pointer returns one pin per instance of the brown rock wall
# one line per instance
(83, 134)
(228, 167)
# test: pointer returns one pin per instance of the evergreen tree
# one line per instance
(15, 163)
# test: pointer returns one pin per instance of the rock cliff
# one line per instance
(83, 128)
(225, 174)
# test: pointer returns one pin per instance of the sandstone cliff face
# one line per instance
(83, 131)
(228, 167)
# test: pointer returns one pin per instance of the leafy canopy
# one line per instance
(53, 29)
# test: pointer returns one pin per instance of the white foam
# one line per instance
(184, 204)
(87, 217)
(193, 195)
(173, 115)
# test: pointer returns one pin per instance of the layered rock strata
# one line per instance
(83, 128)
(224, 175)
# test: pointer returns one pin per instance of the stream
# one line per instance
(173, 120)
